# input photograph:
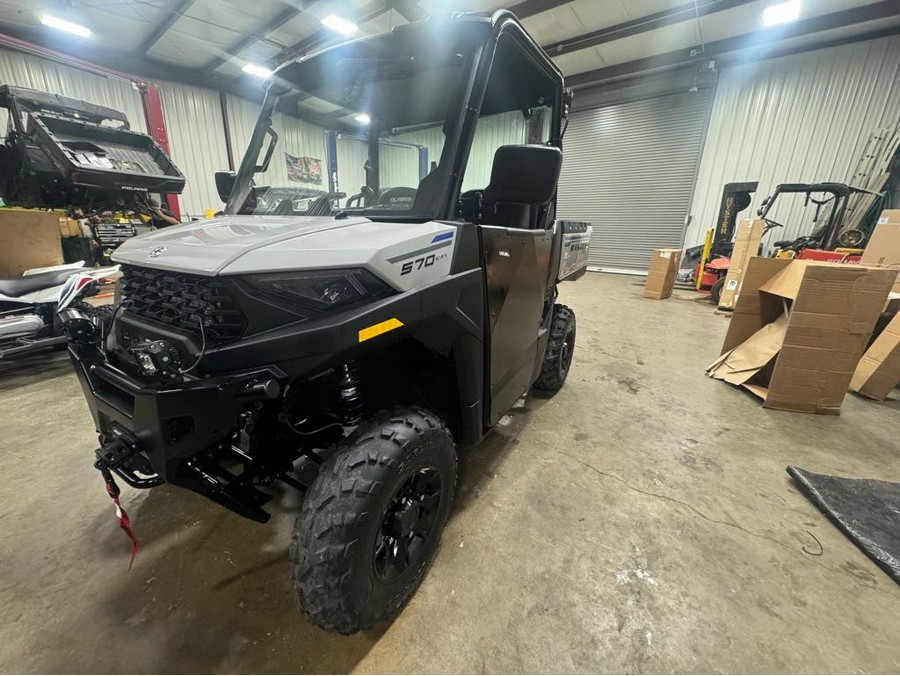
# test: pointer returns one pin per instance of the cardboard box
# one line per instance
(69, 227)
(661, 275)
(799, 329)
(878, 371)
(746, 245)
(30, 239)
(883, 249)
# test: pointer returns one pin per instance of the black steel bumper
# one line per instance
(175, 427)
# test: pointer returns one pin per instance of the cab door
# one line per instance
(516, 268)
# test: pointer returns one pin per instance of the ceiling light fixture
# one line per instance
(340, 24)
(783, 12)
(258, 71)
(67, 26)
(362, 118)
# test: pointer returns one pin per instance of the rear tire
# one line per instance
(560, 349)
(372, 521)
(715, 291)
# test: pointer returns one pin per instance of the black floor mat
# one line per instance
(866, 510)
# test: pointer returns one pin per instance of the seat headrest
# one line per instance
(524, 174)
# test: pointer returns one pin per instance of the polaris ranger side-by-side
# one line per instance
(369, 340)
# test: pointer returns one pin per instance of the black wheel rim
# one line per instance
(565, 354)
(407, 526)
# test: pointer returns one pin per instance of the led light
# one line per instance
(67, 26)
(258, 71)
(362, 118)
(339, 24)
(784, 12)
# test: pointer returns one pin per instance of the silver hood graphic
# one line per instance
(208, 247)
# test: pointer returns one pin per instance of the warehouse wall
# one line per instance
(801, 118)
(196, 143)
(24, 70)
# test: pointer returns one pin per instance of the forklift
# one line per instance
(829, 239)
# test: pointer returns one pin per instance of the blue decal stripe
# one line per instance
(442, 237)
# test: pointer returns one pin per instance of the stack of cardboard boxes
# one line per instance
(800, 330)
(879, 370)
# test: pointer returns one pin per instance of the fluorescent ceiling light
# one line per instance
(67, 26)
(362, 118)
(339, 24)
(783, 12)
(258, 71)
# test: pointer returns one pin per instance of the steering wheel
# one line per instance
(397, 198)
(770, 224)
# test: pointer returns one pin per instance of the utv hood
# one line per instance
(402, 254)
(208, 247)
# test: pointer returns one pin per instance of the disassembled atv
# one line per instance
(371, 341)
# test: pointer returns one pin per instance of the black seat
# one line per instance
(19, 286)
(523, 183)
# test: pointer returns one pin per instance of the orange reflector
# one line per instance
(378, 329)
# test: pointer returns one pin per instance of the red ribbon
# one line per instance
(112, 489)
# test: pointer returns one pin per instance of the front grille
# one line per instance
(181, 302)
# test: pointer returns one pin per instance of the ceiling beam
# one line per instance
(529, 8)
(686, 12)
(260, 33)
(174, 15)
(410, 10)
(245, 87)
(764, 41)
(322, 36)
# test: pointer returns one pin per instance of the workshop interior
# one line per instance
(383, 336)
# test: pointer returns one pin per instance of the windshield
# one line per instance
(395, 100)
(402, 139)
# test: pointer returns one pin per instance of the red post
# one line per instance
(156, 127)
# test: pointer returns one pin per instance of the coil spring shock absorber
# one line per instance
(349, 392)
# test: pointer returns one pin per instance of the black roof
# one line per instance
(405, 76)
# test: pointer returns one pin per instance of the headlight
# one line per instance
(321, 290)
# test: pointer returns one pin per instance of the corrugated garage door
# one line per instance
(629, 169)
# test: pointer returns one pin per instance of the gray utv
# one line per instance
(367, 341)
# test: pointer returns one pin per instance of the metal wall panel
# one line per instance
(431, 139)
(398, 166)
(629, 169)
(796, 119)
(197, 144)
(25, 70)
(491, 133)
(351, 156)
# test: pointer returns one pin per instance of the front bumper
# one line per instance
(176, 428)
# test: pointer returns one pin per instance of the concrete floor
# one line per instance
(641, 521)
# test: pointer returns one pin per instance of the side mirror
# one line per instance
(524, 174)
(224, 183)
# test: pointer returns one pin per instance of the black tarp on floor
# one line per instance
(866, 510)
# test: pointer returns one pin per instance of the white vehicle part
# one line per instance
(71, 290)
(405, 255)
(53, 268)
(19, 326)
